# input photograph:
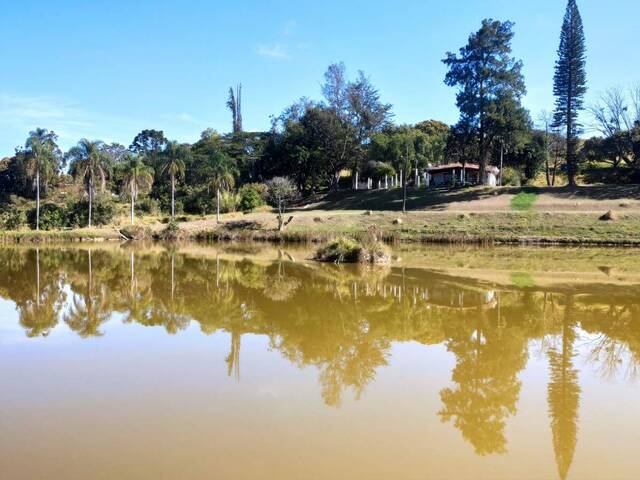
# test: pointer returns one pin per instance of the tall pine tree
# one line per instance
(570, 83)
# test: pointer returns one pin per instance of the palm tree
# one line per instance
(174, 158)
(42, 160)
(218, 171)
(137, 177)
(90, 165)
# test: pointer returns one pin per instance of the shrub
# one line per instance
(52, 216)
(378, 170)
(12, 219)
(250, 198)
(229, 202)
(262, 189)
(341, 250)
(102, 213)
(147, 205)
(373, 250)
(200, 202)
(171, 232)
(511, 177)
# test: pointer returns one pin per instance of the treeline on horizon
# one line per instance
(320, 145)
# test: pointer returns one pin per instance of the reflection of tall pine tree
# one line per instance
(563, 395)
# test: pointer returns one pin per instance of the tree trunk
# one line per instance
(38, 198)
(404, 181)
(501, 161)
(132, 207)
(173, 197)
(217, 205)
(570, 145)
(90, 200)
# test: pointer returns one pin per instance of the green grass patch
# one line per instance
(522, 280)
(524, 200)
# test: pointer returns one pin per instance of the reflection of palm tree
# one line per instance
(39, 317)
(233, 359)
(88, 311)
(563, 396)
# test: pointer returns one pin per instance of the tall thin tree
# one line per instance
(138, 177)
(174, 166)
(234, 104)
(90, 165)
(42, 159)
(570, 83)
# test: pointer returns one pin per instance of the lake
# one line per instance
(253, 362)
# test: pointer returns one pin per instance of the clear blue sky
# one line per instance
(108, 69)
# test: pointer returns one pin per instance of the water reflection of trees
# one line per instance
(343, 321)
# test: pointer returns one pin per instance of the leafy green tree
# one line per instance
(436, 136)
(329, 142)
(173, 165)
(487, 77)
(570, 83)
(358, 103)
(90, 165)
(42, 161)
(250, 198)
(150, 143)
(533, 156)
(137, 177)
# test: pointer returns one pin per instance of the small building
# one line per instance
(458, 174)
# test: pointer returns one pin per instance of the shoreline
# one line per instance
(314, 227)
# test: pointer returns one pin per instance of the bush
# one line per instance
(171, 232)
(369, 250)
(102, 213)
(511, 177)
(378, 170)
(200, 203)
(229, 202)
(12, 219)
(52, 216)
(250, 198)
(147, 206)
(341, 250)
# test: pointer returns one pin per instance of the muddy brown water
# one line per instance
(250, 362)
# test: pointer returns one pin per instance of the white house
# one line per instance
(456, 174)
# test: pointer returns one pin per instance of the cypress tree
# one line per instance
(570, 83)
